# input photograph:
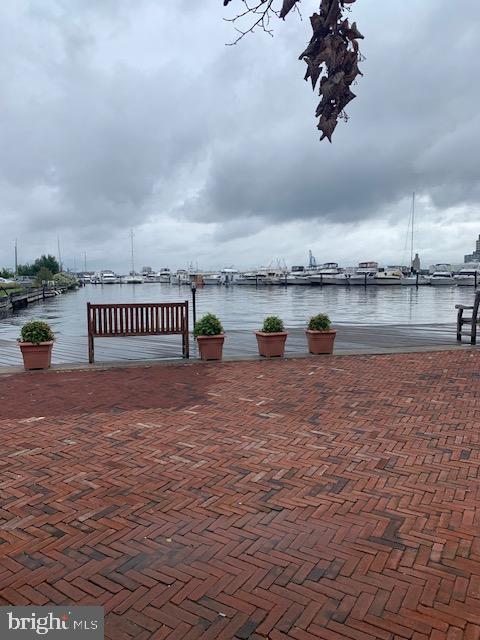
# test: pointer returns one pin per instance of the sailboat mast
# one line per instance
(60, 266)
(413, 226)
(133, 263)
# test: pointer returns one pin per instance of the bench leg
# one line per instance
(459, 325)
(185, 346)
(473, 333)
(91, 351)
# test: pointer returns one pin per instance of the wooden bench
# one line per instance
(472, 320)
(139, 319)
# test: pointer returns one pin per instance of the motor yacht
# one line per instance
(468, 277)
(181, 276)
(298, 279)
(442, 278)
(133, 278)
(413, 279)
(326, 274)
(229, 276)
(298, 275)
(387, 277)
(108, 277)
(212, 279)
(165, 275)
(151, 277)
(273, 276)
(364, 274)
(251, 278)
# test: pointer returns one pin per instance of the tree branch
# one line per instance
(332, 55)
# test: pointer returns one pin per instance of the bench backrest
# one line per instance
(137, 319)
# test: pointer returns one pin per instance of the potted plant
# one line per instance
(320, 336)
(210, 337)
(36, 342)
(271, 338)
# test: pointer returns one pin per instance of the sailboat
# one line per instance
(413, 279)
(133, 278)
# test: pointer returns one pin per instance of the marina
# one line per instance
(372, 320)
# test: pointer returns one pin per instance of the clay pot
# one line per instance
(36, 356)
(211, 347)
(320, 341)
(271, 345)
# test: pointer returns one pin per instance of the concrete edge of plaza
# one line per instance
(126, 364)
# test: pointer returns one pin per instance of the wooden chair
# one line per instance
(472, 320)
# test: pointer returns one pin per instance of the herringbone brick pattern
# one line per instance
(331, 498)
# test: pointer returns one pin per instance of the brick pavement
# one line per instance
(330, 498)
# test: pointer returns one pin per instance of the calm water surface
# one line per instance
(245, 307)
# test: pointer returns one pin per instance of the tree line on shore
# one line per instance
(46, 265)
(44, 269)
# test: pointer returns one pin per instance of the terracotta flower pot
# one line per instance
(320, 341)
(36, 356)
(271, 345)
(211, 347)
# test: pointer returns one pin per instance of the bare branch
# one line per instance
(332, 55)
(263, 10)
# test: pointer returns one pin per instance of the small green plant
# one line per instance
(36, 331)
(273, 324)
(209, 325)
(320, 322)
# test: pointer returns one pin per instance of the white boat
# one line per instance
(298, 279)
(108, 277)
(298, 275)
(364, 274)
(212, 279)
(165, 275)
(343, 278)
(250, 278)
(442, 278)
(181, 276)
(414, 279)
(326, 274)
(229, 276)
(96, 278)
(273, 276)
(387, 277)
(150, 277)
(469, 277)
(133, 278)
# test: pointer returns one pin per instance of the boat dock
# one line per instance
(361, 339)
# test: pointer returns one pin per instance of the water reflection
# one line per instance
(245, 307)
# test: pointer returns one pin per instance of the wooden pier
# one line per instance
(350, 339)
(21, 299)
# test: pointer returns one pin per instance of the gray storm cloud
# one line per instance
(113, 114)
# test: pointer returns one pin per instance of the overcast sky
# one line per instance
(117, 114)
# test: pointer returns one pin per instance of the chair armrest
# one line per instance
(462, 306)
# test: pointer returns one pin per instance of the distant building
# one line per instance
(416, 264)
(475, 256)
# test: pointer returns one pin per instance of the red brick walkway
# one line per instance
(321, 498)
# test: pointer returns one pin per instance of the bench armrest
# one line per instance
(462, 306)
